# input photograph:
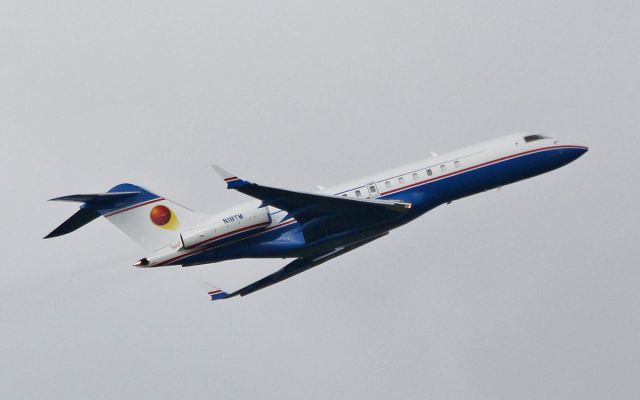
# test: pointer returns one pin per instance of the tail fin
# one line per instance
(149, 219)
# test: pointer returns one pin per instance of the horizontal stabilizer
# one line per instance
(151, 220)
(77, 220)
(92, 207)
(97, 197)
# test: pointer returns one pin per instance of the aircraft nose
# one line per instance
(581, 150)
(573, 152)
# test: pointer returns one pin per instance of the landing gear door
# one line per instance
(373, 190)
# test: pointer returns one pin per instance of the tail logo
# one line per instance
(163, 217)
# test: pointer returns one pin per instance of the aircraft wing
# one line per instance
(293, 268)
(306, 206)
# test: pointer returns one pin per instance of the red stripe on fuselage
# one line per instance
(281, 224)
(484, 164)
(246, 228)
(197, 251)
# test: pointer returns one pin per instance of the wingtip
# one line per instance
(214, 292)
(224, 174)
(218, 294)
(232, 181)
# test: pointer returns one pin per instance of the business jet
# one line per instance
(313, 228)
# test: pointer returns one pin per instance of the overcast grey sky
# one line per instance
(530, 292)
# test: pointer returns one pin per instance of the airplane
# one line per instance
(313, 228)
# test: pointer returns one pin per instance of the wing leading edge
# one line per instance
(306, 206)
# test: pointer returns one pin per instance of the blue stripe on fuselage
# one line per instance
(475, 180)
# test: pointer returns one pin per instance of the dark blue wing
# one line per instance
(293, 268)
(307, 206)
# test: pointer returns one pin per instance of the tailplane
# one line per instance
(149, 219)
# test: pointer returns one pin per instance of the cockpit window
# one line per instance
(533, 138)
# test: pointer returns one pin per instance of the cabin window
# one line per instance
(401, 180)
(344, 195)
(415, 176)
(443, 168)
(429, 173)
(387, 184)
(456, 163)
(372, 188)
(358, 193)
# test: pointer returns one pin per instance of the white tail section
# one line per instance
(149, 219)
(155, 224)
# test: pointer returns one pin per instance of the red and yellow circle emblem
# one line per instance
(163, 217)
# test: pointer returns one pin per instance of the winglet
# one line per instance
(233, 182)
(218, 294)
(214, 292)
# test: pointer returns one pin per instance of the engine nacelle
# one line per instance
(226, 229)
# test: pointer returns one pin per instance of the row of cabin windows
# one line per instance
(401, 180)
(415, 176)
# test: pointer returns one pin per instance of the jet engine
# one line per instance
(226, 229)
